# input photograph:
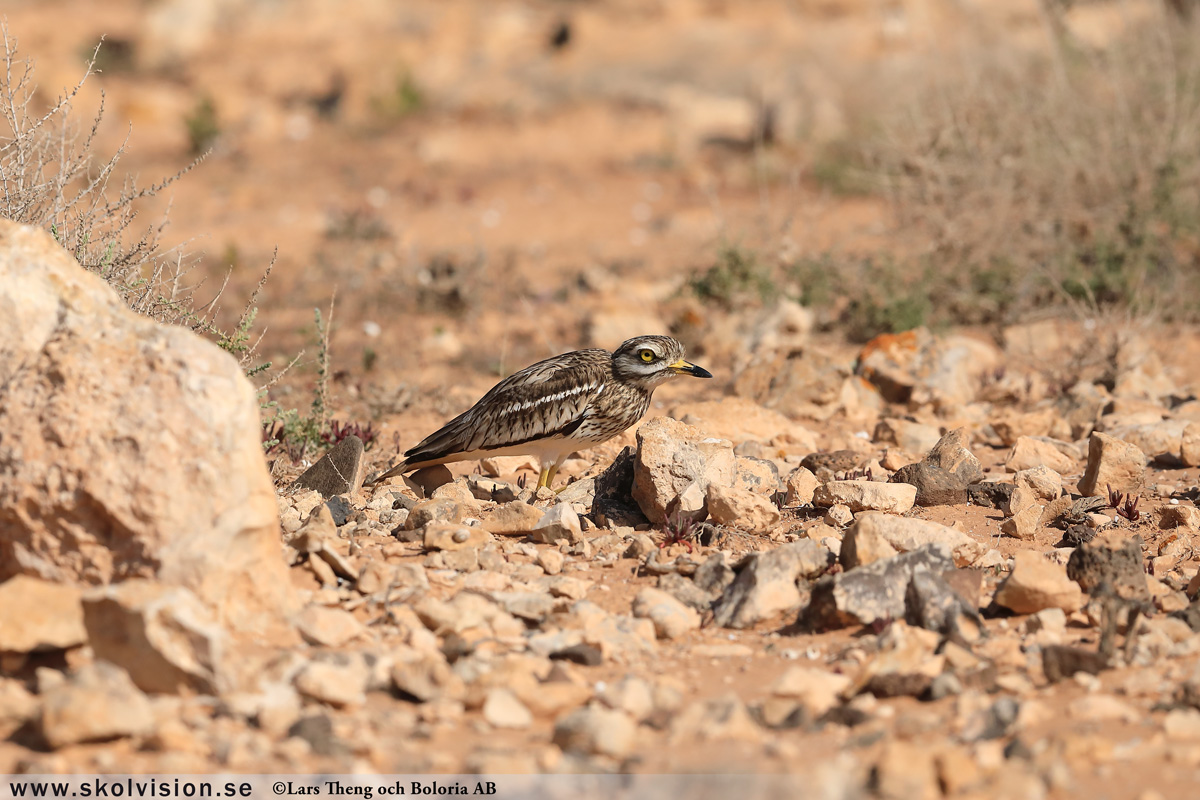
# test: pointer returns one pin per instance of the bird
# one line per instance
(555, 407)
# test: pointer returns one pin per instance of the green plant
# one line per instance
(202, 125)
(404, 99)
(736, 275)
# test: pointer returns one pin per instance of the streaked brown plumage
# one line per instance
(557, 406)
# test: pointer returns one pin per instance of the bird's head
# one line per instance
(651, 360)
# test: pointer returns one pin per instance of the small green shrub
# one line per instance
(735, 276)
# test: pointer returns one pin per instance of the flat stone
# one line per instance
(328, 627)
(895, 498)
(96, 704)
(430, 479)
(1112, 463)
(17, 707)
(428, 511)
(1181, 517)
(341, 683)
(908, 533)
(817, 690)
(450, 536)
(1029, 452)
(1035, 584)
(340, 471)
(512, 519)
(39, 616)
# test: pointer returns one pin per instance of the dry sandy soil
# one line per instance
(536, 199)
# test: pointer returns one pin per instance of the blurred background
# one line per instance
(482, 183)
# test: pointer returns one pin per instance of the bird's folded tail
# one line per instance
(392, 472)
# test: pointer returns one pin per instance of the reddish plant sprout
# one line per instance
(679, 529)
(339, 431)
(1114, 498)
(1129, 509)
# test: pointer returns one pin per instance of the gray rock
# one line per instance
(340, 471)
(1110, 558)
(873, 593)
(990, 494)
(935, 486)
(686, 591)
(613, 503)
(766, 583)
(714, 575)
(932, 603)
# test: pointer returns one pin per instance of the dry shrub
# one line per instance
(1062, 176)
(51, 177)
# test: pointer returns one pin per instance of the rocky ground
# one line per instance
(947, 563)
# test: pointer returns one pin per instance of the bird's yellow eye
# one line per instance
(647, 355)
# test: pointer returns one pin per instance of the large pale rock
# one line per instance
(98, 703)
(739, 420)
(1189, 445)
(670, 455)
(801, 484)
(895, 498)
(1112, 463)
(907, 534)
(1029, 452)
(39, 616)
(864, 545)
(740, 508)
(915, 437)
(560, 522)
(817, 690)
(163, 636)
(1036, 584)
(1043, 481)
(130, 449)
(596, 730)
(953, 454)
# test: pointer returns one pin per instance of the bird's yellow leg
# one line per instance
(551, 473)
(544, 478)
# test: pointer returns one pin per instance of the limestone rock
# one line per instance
(17, 706)
(340, 471)
(862, 546)
(740, 508)
(39, 616)
(1029, 452)
(907, 534)
(670, 455)
(96, 704)
(1112, 463)
(559, 523)
(766, 584)
(596, 730)
(131, 449)
(163, 636)
(428, 511)
(450, 537)
(817, 690)
(914, 437)
(895, 498)
(739, 420)
(502, 709)
(510, 519)
(801, 484)
(1035, 584)
(339, 682)
(1189, 446)
(953, 454)
(328, 627)
(671, 618)
(1043, 481)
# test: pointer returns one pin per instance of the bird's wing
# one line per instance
(543, 400)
